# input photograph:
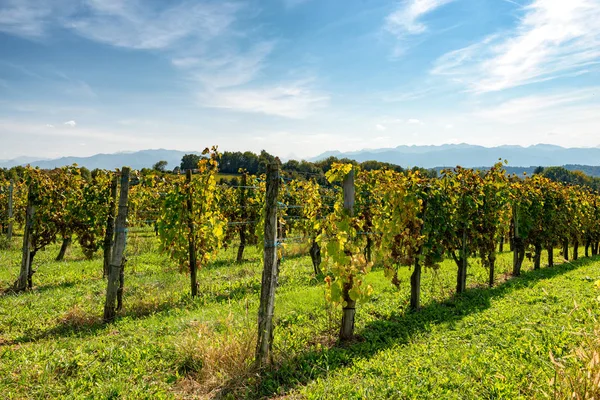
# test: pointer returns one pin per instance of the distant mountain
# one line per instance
(135, 160)
(474, 156)
(18, 161)
(521, 159)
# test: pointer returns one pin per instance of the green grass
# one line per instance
(228, 177)
(486, 343)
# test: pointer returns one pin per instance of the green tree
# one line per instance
(160, 166)
(190, 161)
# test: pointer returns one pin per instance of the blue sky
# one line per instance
(295, 77)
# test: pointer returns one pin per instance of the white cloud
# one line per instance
(538, 107)
(449, 126)
(202, 39)
(406, 20)
(380, 127)
(295, 100)
(553, 38)
(230, 69)
(414, 121)
(134, 24)
(71, 123)
(26, 18)
(49, 126)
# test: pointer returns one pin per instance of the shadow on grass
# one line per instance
(55, 286)
(77, 321)
(45, 288)
(397, 329)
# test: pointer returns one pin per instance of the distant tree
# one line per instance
(85, 173)
(177, 170)
(190, 161)
(538, 170)
(160, 166)
(263, 160)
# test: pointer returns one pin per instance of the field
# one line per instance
(485, 343)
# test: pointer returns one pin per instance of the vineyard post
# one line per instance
(270, 270)
(243, 205)
(575, 249)
(9, 232)
(116, 264)
(348, 311)
(191, 237)
(110, 225)
(25, 273)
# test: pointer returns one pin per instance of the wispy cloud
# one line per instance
(134, 24)
(406, 23)
(552, 39)
(201, 39)
(294, 100)
(406, 20)
(537, 107)
(403, 95)
(229, 69)
(26, 18)
(71, 124)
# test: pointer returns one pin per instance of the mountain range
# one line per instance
(406, 156)
(136, 160)
(467, 155)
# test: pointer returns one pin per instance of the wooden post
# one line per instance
(243, 205)
(349, 309)
(9, 231)
(192, 236)
(110, 226)
(270, 270)
(116, 263)
(25, 273)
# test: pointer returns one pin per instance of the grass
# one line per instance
(486, 343)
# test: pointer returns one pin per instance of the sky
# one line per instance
(295, 77)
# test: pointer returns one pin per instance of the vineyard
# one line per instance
(295, 284)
